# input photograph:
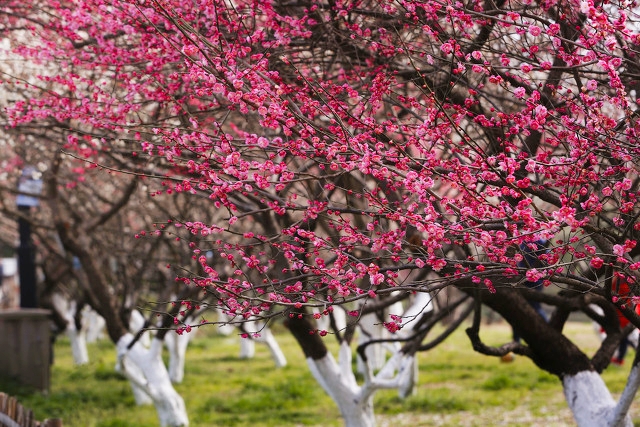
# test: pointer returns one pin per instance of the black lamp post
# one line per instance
(29, 188)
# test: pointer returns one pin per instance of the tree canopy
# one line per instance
(345, 149)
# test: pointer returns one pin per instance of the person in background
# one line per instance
(620, 288)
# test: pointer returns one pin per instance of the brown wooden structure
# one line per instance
(25, 340)
(13, 414)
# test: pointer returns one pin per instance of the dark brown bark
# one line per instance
(99, 289)
(306, 334)
(95, 284)
(549, 348)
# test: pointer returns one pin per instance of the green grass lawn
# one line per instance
(457, 388)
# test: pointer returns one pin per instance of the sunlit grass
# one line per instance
(457, 387)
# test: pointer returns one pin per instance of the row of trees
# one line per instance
(295, 157)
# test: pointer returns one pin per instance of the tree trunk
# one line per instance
(177, 346)
(142, 366)
(552, 351)
(371, 328)
(337, 380)
(247, 348)
(136, 323)
(586, 393)
(224, 327)
(265, 336)
(67, 311)
(78, 344)
(269, 340)
(94, 323)
(356, 409)
(145, 368)
(590, 401)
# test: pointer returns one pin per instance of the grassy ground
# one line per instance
(457, 388)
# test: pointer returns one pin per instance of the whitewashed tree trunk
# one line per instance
(371, 328)
(77, 338)
(591, 402)
(136, 322)
(95, 324)
(144, 368)
(354, 401)
(621, 414)
(224, 327)
(421, 305)
(140, 395)
(247, 348)
(265, 336)
(248, 345)
(177, 346)
(377, 353)
(339, 316)
(78, 344)
(338, 381)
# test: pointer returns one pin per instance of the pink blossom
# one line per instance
(446, 48)
(546, 65)
(190, 50)
(533, 275)
(541, 111)
(392, 327)
(438, 264)
(596, 262)
(534, 30)
(489, 284)
(377, 278)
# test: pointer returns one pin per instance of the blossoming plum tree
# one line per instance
(75, 229)
(351, 147)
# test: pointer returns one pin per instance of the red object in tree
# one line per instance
(623, 292)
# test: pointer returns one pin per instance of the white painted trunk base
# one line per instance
(247, 348)
(371, 328)
(339, 315)
(94, 324)
(144, 368)
(136, 323)
(265, 336)
(78, 345)
(591, 402)
(224, 327)
(67, 309)
(177, 346)
(356, 409)
(629, 392)
(356, 401)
